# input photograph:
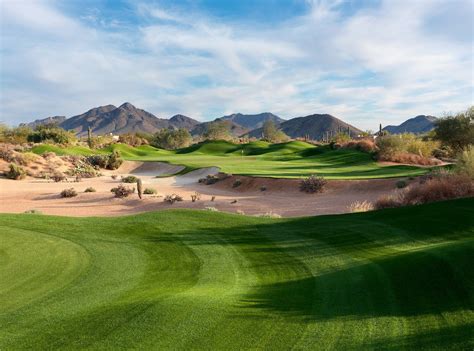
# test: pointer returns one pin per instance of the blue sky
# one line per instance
(365, 61)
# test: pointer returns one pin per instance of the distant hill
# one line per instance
(252, 121)
(117, 120)
(419, 124)
(48, 120)
(314, 126)
(181, 121)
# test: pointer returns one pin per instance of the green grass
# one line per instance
(181, 279)
(294, 159)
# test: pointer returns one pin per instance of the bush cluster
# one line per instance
(122, 191)
(406, 148)
(313, 184)
(172, 198)
(364, 145)
(71, 192)
(111, 161)
(438, 188)
(210, 179)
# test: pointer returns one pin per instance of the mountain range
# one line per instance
(419, 124)
(129, 119)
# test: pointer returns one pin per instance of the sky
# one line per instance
(364, 61)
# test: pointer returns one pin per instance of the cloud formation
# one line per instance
(386, 62)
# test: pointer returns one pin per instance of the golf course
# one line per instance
(184, 279)
(294, 159)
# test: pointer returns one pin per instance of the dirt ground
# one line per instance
(282, 196)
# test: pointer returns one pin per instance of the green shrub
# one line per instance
(150, 191)
(90, 190)
(129, 179)
(111, 161)
(457, 131)
(16, 172)
(172, 139)
(52, 134)
(71, 192)
(313, 184)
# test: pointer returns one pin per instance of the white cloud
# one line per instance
(378, 64)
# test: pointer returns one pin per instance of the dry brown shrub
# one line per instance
(365, 145)
(405, 157)
(387, 201)
(438, 189)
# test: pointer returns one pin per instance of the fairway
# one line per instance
(260, 159)
(181, 279)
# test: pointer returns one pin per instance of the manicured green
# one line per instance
(287, 160)
(181, 279)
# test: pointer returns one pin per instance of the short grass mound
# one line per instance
(181, 279)
(294, 159)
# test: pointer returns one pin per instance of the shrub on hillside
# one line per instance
(16, 135)
(51, 134)
(111, 161)
(313, 184)
(71, 192)
(15, 172)
(272, 134)
(133, 139)
(172, 139)
(122, 191)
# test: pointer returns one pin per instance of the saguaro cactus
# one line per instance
(89, 137)
(139, 188)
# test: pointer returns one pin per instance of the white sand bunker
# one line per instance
(194, 176)
(151, 168)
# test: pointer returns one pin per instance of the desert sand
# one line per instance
(282, 196)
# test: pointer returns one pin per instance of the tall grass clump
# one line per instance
(465, 164)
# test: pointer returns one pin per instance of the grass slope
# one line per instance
(287, 160)
(181, 279)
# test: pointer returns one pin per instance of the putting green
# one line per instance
(288, 160)
(181, 279)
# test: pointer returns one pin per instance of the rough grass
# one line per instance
(181, 279)
(293, 159)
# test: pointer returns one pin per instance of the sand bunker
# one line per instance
(253, 196)
(148, 168)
